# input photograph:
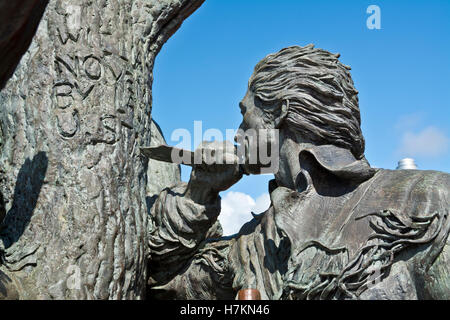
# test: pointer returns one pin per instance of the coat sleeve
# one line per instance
(185, 261)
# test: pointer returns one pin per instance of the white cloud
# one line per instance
(262, 203)
(237, 208)
(430, 142)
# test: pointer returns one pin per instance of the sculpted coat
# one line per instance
(336, 228)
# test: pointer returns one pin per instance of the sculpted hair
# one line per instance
(319, 90)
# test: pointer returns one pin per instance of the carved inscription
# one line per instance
(92, 54)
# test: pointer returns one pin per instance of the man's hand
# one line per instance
(217, 168)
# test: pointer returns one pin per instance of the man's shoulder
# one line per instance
(413, 178)
(409, 190)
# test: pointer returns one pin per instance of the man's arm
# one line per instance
(179, 225)
(182, 219)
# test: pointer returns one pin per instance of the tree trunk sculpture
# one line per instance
(73, 117)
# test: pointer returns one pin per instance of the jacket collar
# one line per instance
(340, 162)
(337, 161)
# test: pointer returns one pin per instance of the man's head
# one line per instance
(309, 92)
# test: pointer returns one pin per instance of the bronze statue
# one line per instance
(336, 228)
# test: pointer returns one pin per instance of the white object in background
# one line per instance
(407, 164)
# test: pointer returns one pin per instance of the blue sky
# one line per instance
(402, 71)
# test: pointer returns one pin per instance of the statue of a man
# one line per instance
(336, 228)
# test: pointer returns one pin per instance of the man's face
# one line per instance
(254, 116)
(256, 134)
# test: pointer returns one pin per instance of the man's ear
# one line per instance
(282, 114)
